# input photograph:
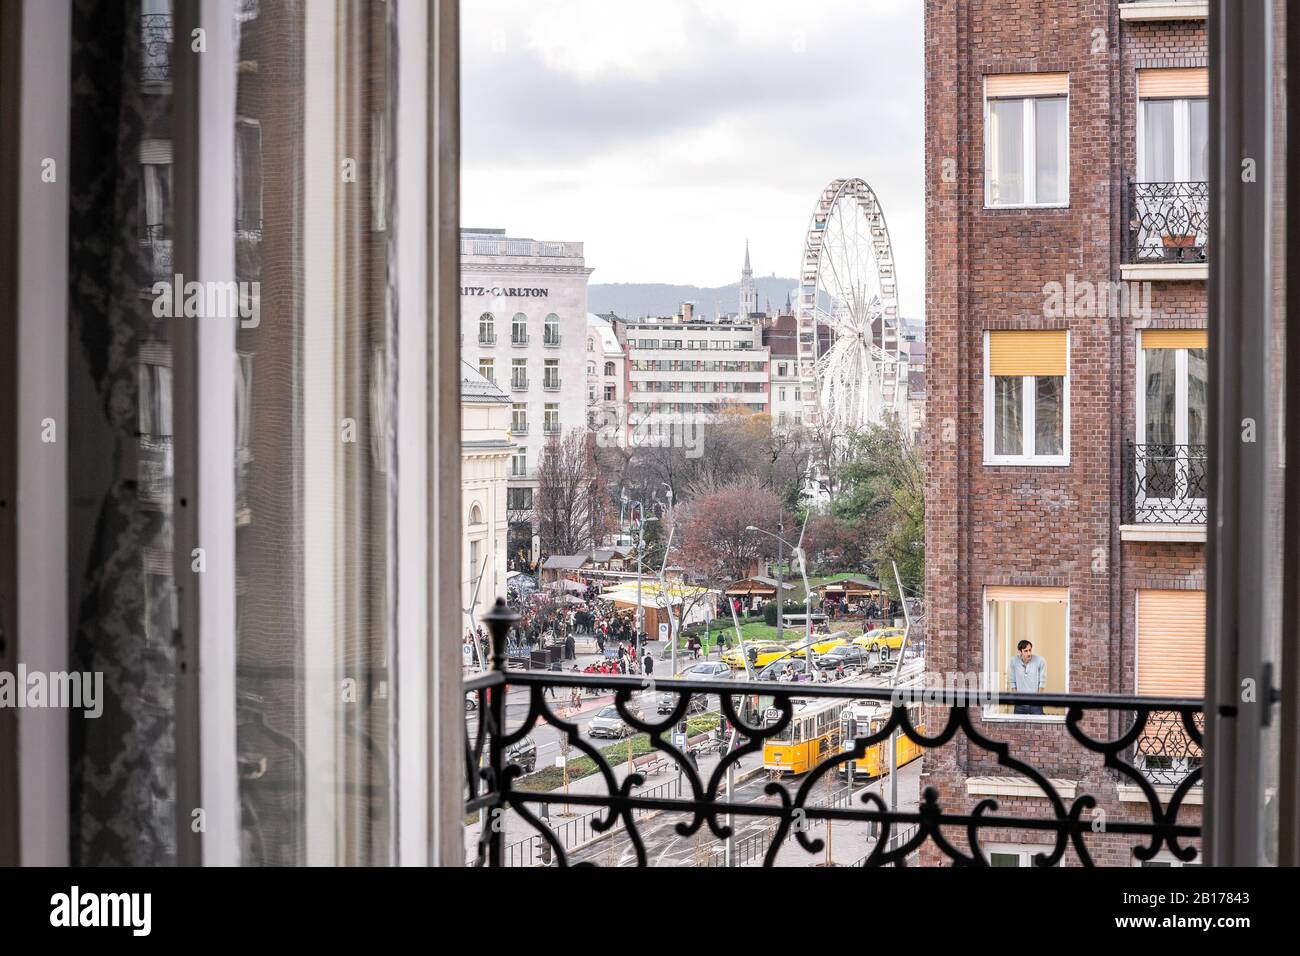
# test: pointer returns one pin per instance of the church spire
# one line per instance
(748, 292)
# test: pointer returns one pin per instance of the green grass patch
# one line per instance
(552, 778)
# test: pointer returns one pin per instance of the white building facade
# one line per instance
(683, 370)
(523, 327)
(606, 382)
(486, 449)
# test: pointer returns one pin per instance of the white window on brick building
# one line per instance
(1026, 397)
(1041, 617)
(1170, 653)
(1026, 139)
(1172, 427)
(1173, 127)
(1015, 854)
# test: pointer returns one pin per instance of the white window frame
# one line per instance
(1025, 851)
(994, 678)
(1029, 144)
(1182, 137)
(1028, 411)
(1181, 391)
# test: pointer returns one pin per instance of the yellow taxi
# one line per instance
(882, 639)
(766, 651)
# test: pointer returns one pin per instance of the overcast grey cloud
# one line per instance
(664, 135)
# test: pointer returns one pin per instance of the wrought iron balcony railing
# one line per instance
(1143, 742)
(1165, 484)
(1166, 222)
(518, 338)
(155, 47)
(487, 338)
(551, 339)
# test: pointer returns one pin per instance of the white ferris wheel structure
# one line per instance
(848, 286)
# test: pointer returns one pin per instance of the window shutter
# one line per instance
(1026, 84)
(1175, 339)
(1027, 352)
(1011, 593)
(1171, 643)
(1174, 83)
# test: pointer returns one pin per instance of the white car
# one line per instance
(610, 723)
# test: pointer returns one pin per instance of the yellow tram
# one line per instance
(870, 716)
(813, 735)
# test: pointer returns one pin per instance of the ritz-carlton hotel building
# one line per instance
(523, 327)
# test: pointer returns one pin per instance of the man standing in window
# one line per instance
(1027, 674)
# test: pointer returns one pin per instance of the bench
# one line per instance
(650, 764)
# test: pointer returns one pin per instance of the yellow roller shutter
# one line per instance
(1174, 83)
(1027, 352)
(1175, 339)
(1010, 593)
(1026, 84)
(1171, 643)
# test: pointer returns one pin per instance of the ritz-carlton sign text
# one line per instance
(499, 292)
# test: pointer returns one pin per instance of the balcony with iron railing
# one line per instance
(551, 338)
(487, 338)
(1147, 749)
(518, 384)
(551, 383)
(1166, 230)
(1165, 486)
(518, 338)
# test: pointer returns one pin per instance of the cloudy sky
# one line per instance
(665, 134)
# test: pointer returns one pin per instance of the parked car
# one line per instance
(608, 722)
(704, 670)
(882, 640)
(668, 700)
(774, 670)
(850, 655)
(523, 754)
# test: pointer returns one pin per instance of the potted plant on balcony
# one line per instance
(1176, 244)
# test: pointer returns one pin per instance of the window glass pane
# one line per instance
(1008, 412)
(1198, 131)
(1159, 470)
(1197, 403)
(1049, 415)
(313, 624)
(1050, 140)
(1158, 141)
(1007, 149)
(1161, 395)
(1004, 859)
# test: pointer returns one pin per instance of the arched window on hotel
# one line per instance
(519, 329)
(609, 368)
(487, 329)
(551, 330)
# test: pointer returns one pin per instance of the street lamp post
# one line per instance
(796, 551)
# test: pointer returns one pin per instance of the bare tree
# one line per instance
(572, 506)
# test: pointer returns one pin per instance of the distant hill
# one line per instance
(631, 300)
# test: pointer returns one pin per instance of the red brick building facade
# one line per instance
(1063, 146)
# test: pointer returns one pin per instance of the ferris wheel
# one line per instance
(848, 287)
